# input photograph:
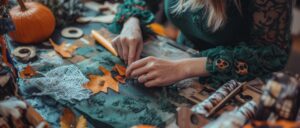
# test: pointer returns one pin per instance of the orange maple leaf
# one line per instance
(27, 72)
(63, 49)
(120, 79)
(68, 120)
(120, 69)
(82, 122)
(102, 83)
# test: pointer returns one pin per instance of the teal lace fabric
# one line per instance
(266, 52)
(141, 9)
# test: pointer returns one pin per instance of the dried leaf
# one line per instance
(65, 50)
(82, 123)
(102, 83)
(120, 79)
(118, 73)
(120, 69)
(68, 119)
(27, 72)
(105, 71)
(158, 29)
(34, 117)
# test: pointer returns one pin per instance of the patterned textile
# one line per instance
(251, 45)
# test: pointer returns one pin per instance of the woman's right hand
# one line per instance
(129, 44)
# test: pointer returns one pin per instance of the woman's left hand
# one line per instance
(156, 72)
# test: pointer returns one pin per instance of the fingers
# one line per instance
(138, 64)
(132, 51)
(140, 71)
(152, 83)
(139, 51)
(125, 49)
(147, 77)
(117, 45)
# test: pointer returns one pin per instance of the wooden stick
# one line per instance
(104, 42)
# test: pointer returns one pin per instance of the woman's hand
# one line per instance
(158, 72)
(129, 44)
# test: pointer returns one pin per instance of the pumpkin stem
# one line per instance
(22, 5)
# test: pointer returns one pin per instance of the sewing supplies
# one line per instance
(72, 32)
(236, 118)
(24, 53)
(104, 42)
(187, 119)
(208, 106)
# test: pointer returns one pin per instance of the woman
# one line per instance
(237, 39)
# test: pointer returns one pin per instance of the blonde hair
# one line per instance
(215, 10)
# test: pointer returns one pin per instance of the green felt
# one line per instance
(133, 105)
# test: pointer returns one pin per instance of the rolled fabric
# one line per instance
(208, 104)
(104, 42)
(236, 118)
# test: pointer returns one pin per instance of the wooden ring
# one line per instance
(24, 54)
(72, 32)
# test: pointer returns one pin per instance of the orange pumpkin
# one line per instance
(34, 22)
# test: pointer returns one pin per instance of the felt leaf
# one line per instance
(120, 79)
(102, 83)
(68, 119)
(27, 72)
(158, 29)
(34, 117)
(64, 49)
(118, 73)
(120, 69)
(81, 123)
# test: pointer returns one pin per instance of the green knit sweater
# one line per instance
(253, 42)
